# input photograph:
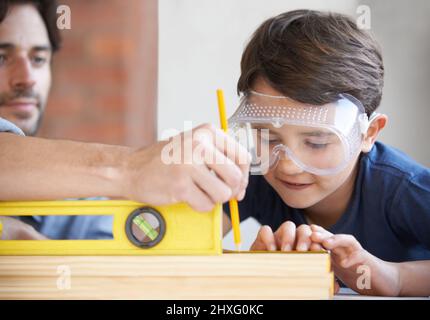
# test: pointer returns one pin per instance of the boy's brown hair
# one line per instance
(312, 57)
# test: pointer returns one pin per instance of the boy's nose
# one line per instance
(287, 166)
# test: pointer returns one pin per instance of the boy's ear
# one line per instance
(375, 127)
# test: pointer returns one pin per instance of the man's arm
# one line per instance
(42, 169)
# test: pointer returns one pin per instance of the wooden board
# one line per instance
(229, 276)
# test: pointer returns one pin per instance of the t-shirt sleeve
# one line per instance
(6, 126)
(410, 211)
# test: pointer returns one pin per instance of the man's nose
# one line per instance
(22, 74)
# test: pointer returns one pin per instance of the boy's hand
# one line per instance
(357, 268)
(286, 238)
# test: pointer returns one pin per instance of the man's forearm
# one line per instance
(414, 278)
(41, 169)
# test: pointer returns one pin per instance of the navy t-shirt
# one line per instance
(389, 212)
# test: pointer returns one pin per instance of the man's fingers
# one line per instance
(303, 238)
(230, 148)
(265, 240)
(215, 188)
(286, 236)
(196, 198)
(205, 152)
(225, 168)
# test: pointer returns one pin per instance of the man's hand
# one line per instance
(352, 264)
(221, 174)
(14, 229)
(78, 170)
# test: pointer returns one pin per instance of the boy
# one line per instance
(312, 82)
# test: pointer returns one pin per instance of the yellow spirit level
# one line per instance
(138, 229)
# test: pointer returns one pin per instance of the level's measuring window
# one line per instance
(145, 227)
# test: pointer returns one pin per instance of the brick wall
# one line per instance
(104, 77)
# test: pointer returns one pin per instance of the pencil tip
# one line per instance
(238, 247)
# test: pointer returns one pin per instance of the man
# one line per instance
(41, 169)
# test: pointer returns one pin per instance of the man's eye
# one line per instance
(3, 59)
(39, 61)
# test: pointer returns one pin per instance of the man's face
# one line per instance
(25, 72)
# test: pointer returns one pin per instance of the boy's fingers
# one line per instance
(303, 239)
(356, 257)
(286, 236)
(320, 229)
(346, 241)
(319, 237)
(265, 240)
(341, 246)
(316, 247)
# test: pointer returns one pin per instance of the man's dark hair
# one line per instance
(312, 56)
(48, 12)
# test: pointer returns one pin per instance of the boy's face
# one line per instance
(298, 188)
(25, 72)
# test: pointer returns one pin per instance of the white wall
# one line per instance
(200, 46)
(403, 30)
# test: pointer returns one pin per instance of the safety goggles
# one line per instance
(320, 139)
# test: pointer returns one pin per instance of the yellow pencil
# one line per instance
(234, 209)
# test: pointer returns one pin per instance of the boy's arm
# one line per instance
(414, 278)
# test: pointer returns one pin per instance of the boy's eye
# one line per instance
(316, 146)
(271, 140)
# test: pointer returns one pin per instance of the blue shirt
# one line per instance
(389, 212)
(65, 227)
